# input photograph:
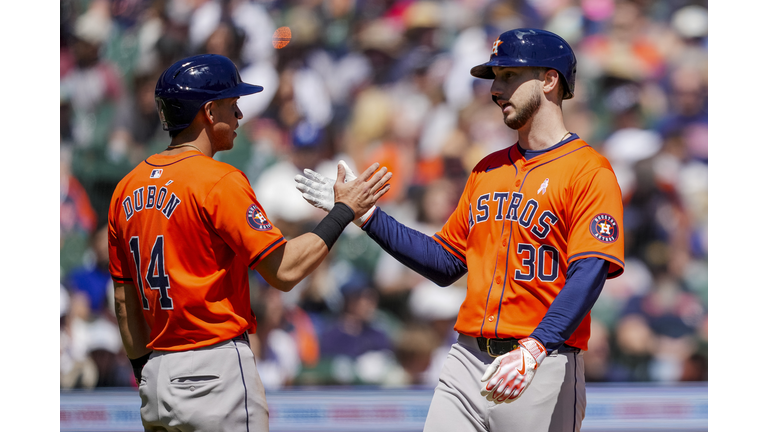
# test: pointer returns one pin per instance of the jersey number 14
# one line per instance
(155, 276)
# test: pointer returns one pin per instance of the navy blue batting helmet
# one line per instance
(192, 82)
(528, 47)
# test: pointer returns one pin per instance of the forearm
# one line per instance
(292, 262)
(583, 285)
(134, 330)
(297, 258)
(414, 249)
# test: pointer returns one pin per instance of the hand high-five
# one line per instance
(361, 193)
(318, 189)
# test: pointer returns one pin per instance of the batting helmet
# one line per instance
(192, 82)
(527, 47)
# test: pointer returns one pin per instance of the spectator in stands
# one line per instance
(277, 355)
(354, 338)
(93, 279)
(93, 85)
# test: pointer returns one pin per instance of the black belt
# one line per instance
(497, 347)
(243, 337)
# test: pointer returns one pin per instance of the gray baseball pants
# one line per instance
(554, 401)
(211, 389)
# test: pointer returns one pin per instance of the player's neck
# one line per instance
(543, 131)
(190, 139)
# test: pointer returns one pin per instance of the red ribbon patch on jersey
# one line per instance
(256, 219)
(604, 228)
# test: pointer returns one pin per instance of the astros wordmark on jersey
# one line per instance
(154, 226)
(539, 215)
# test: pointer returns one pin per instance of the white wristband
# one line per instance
(364, 218)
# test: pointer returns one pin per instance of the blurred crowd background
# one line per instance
(388, 81)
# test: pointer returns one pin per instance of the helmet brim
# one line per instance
(485, 70)
(482, 71)
(241, 89)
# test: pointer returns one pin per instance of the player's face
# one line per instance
(518, 92)
(227, 113)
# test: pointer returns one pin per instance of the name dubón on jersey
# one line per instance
(154, 198)
(525, 216)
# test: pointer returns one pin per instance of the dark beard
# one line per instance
(524, 113)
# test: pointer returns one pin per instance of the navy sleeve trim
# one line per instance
(448, 245)
(605, 256)
(267, 250)
(121, 279)
(419, 252)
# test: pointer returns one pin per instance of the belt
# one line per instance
(243, 337)
(497, 347)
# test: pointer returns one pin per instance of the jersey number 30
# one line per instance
(155, 276)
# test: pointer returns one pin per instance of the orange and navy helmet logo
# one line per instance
(256, 219)
(496, 47)
(604, 228)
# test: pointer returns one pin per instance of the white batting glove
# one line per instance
(509, 375)
(317, 190)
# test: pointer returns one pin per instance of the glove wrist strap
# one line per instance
(534, 347)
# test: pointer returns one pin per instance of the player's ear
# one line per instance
(551, 85)
(208, 109)
(551, 80)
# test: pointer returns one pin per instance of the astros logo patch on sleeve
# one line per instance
(604, 228)
(256, 219)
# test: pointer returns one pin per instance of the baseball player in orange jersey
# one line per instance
(538, 228)
(183, 231)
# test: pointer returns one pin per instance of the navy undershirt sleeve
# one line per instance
(416, 250)
(583, 284)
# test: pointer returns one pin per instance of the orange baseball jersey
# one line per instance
(184, 230)
(538, 216)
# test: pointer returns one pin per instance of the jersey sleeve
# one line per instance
(597, 220)
(119, 265)
(453, 235)
(414, 249)
(237, 217)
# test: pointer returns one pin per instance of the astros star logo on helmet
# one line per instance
(496, 46)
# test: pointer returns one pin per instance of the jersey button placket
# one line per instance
(497, 286)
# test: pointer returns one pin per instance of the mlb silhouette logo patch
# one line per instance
(256, 219)
(604, 228)
(156, 173)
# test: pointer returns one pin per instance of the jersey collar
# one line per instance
(530, 154)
